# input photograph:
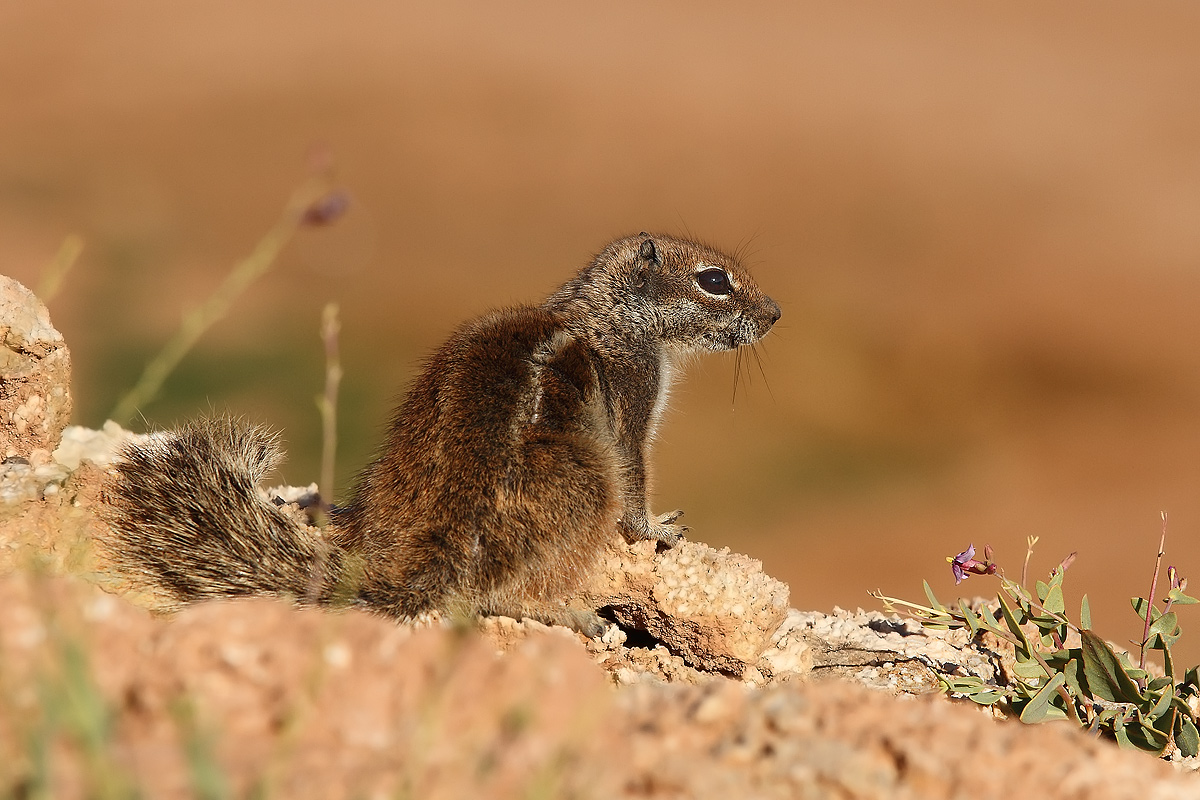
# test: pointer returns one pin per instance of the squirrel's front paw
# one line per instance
(664, 529)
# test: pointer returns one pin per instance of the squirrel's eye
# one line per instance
(714, 281)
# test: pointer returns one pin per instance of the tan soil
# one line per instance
(310, 704)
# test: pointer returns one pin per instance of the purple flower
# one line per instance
(964, 564)
(960, 563)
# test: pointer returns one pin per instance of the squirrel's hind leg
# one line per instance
(555, 513)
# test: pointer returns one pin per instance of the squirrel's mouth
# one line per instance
(739, 333)
(732, 339)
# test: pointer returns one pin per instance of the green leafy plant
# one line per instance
(1064, 670)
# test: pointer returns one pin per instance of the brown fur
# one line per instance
(519, 450)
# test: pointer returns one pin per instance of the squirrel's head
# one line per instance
(691, 296)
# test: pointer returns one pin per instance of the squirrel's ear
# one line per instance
(649, 252)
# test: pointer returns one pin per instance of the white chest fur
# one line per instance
(666, 378)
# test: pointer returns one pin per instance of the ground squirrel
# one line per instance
(516, 454)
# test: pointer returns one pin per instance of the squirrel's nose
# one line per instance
(773, 310)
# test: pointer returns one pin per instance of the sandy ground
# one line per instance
(981, 224)
(257, 698)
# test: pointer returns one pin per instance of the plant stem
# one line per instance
(1162, 547)
(1029, 543)
(199, 320)
(330, 326)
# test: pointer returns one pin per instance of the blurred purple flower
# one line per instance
(326, 209)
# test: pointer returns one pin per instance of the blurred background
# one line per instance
(982, 224)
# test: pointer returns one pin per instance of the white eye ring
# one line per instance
(714, 281)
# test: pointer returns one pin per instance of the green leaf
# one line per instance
(986, 698)
(1139, 608)
(1109, 718)
(1164, 627)
(1106, 677)
(962, 685)
(1136, 674)
(1180, 705)
(1167, 623)
(1163, 705)
(1085, 613)
(1147, 737)
(989, 618)
(1029, 669)
(1057, 658)
(1159, 683)
(1188, 738)
(1039, 708)
(973, 688)
(968, 616)
(1046, 623)
(1053, 602)
(1018, 594)
(1074, 675)
(1119, 732)
(1177, 597)
(1014, 626)
(933, 601)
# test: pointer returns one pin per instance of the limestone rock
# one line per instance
(715, 609)
(35, 365)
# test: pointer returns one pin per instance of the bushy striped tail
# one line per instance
(186, 518)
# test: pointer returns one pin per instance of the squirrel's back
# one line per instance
(494, 487)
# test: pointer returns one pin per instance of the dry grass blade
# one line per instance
(309, 205)
(327, 402)
(52, 278)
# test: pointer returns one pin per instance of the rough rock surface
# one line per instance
(32, 481)
(35, 397)
(890, 653)
(832, 739)
(715, 609)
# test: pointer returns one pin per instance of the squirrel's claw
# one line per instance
(670, 517)
(665, 530)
